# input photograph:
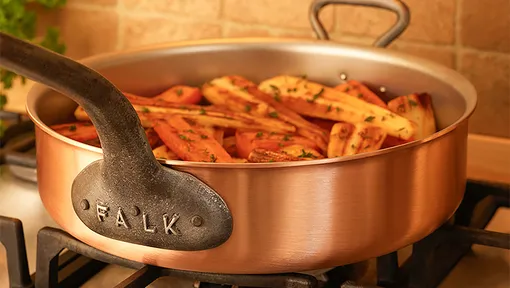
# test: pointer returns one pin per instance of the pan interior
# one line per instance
(151, 70)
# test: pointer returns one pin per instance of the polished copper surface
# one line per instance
(287, 217)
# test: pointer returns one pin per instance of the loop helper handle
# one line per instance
(397, 6)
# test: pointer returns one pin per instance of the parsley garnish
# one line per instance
(247, 108)
(305, 154)
(316, 96)
(273, 114)
(213, 158)
(329, 107)
(72, 128)
(286, 138)
(145, 109)
(204, 136)
(369, 119)
(179, 92)
(412, 103)
(259, 134)
(202, 111)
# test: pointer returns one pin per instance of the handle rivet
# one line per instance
(135, 210)
(84, 204)
(197, 221)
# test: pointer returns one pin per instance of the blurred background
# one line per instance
(471, 36)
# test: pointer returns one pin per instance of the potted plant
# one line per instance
(19, 21)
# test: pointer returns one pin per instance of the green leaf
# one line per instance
(19, 22)
(2, 128)
(3, 101)
(51, 41)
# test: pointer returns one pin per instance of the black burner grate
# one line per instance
(17, 146)
(431, 261)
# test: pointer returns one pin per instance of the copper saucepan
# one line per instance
(244, 217)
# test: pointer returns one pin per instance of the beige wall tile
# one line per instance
(138, 31)
(85, 32)
(239, 30)
(442, 55)
(491, 76)
(486, 24)
(203, 8)
(94, 2)
(281, 13)
(432, 21)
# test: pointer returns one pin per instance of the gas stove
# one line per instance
(39, 254)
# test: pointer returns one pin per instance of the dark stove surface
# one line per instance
(431, 260)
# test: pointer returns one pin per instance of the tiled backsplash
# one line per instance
(472, 36)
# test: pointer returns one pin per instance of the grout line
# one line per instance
(483, 53)
(458, 37)
(120, 25)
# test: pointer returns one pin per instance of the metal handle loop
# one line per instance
(397, 6)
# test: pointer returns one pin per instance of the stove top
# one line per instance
(40, 255)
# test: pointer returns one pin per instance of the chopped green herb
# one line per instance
(272, 133)
(190, 131)
(204, 136)
(259, 134)
(72, 128)
(202, 111)
(360, 95)
(286, 138)
(280, 144)
(337, 109)
(369, 119)
(413, 103)
(145, 109)
(179, 92)
(277, 98)
(276, 89)
(213, 158)
(305, 154)
(347, 89)
(271, 160)
(329, 107)
(247, 108)
(273, 114)
(315, 96)
(183, 137)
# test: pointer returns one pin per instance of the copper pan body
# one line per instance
(288, 217)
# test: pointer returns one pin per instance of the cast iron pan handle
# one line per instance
(128, 195)
(397, 6)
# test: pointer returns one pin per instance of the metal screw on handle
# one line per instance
(397, 6)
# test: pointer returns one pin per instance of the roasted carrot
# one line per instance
(357, 89)
(190, 143)
(79, 131)
(248, 141)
